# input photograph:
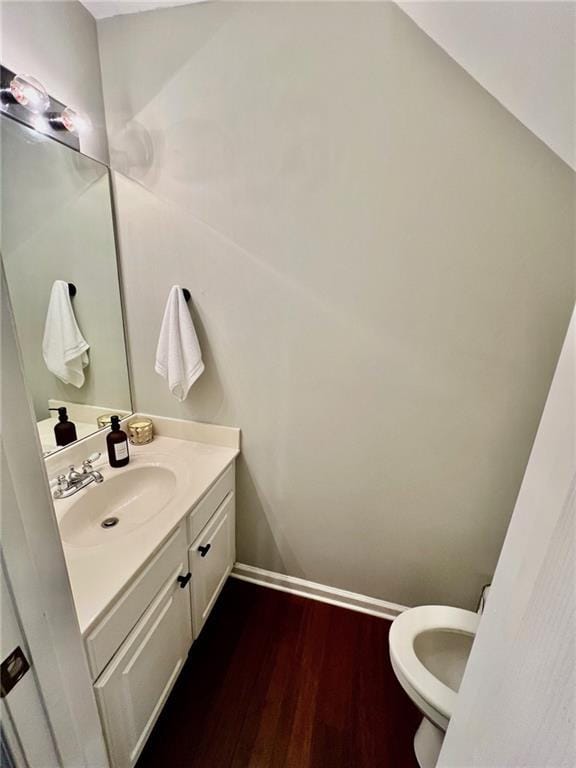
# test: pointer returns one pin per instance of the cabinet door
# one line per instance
(133, 688)
(211, 559)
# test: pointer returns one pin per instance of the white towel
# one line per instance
(64, 348)
(178, 356)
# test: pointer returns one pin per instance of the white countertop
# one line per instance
(98, 574)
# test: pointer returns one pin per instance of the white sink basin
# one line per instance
(117, 506)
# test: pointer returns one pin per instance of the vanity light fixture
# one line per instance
(24, 99)
(70, 120)
(28, 92)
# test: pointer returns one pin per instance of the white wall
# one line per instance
(381, 262)
(517, 702)
(523, 53)
(56, 41)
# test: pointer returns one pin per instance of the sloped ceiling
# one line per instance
(523, 53)
(101, 9)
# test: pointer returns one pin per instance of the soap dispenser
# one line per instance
(65, 430)
(117, 443)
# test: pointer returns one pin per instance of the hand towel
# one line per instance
(178, 356)
(64, 348)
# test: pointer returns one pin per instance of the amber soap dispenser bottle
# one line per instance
(117, 442)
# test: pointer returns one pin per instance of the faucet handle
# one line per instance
(62, 486)
(91, 459)
(62, 481)
(87, 463)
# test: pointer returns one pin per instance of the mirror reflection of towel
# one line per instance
(64, 348)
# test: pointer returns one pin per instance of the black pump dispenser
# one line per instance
(64, 431)
(117, 444)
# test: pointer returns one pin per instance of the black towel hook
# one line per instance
(72, 290)
(186, 293)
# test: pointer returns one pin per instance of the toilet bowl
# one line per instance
(429, 648)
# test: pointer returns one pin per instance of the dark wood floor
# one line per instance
(277, 681)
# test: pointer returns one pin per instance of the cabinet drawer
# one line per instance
(103, 642)
(138, 680)
(210, 503)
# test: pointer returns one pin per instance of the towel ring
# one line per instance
(72, 290)
(186, 293)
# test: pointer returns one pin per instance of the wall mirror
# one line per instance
(59, 256)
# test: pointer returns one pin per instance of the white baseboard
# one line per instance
(310, 589)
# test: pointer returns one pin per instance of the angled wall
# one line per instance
(381, 260)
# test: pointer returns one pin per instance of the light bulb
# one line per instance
(29, 93)
(75, 122)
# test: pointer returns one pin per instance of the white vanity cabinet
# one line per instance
(138, 648)
(134, 687)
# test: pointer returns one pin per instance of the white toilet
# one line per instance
(429, 648)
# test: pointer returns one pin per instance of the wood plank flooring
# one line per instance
(278, 681)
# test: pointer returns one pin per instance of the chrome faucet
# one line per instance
(74, 481)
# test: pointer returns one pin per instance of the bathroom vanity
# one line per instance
(148, 546)
(144, 585)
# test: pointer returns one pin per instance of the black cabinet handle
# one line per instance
(183, 580)
(204, 550)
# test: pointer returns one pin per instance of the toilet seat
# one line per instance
(410, 670)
